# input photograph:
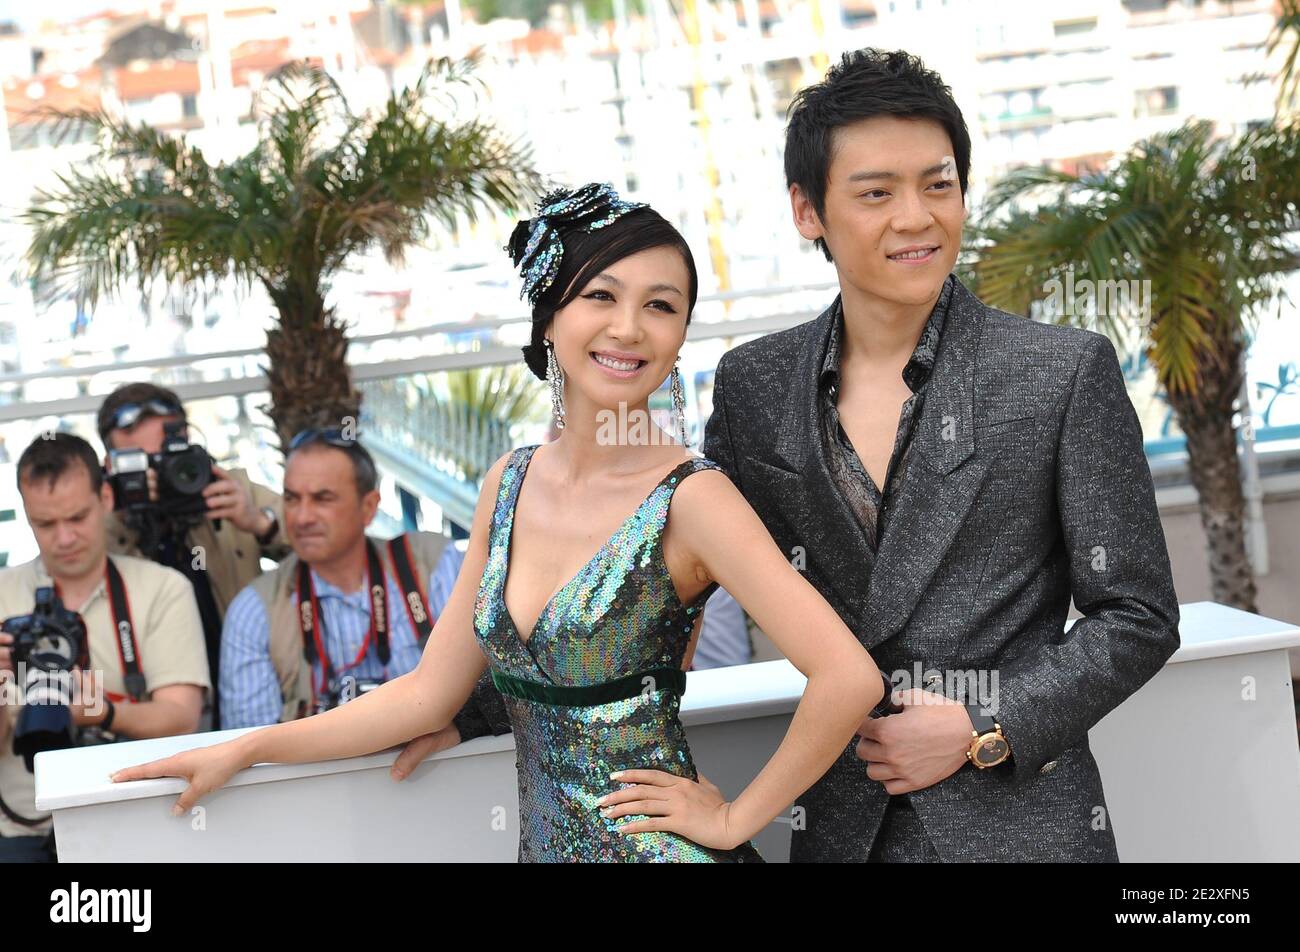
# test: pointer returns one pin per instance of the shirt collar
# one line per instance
(324, 589)
(43, 579)
(919, 365)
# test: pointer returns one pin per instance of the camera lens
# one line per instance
(187, 473)
(53, 651)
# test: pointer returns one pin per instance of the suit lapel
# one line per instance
(829, 530)
(933, 500)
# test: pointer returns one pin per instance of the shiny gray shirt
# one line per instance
(868, 503)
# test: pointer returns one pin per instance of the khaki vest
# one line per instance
(276, 590)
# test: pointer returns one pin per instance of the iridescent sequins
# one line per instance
(588, 208)
(618, 615)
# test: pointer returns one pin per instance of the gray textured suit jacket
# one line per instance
(1028, 484)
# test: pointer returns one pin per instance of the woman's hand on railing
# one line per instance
(205, 768)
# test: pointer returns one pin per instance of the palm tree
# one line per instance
(323, 184)
(1287, 31)
(1205, 221)
(500, 399)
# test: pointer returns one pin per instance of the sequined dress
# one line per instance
(597, 685)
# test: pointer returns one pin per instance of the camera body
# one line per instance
(183, 469)
(344, 689)
(47, 645)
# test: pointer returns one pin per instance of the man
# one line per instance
(724, 634)
(66, 502)
(949, 476)
(304, 637)
(220, 551)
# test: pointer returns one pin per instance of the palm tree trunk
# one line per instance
(1206, 420)
(310, 381)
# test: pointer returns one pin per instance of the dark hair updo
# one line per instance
(587, 254)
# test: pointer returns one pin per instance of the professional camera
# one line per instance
(48, 644)
(344, 689)
(184, 471)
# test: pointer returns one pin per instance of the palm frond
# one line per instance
(1286, 30)
(1176, 213)
(323, 184)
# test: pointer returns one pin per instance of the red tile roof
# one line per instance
(164, 76)
(249, 12)
(258, 56)
(52, 92)
(538, 41)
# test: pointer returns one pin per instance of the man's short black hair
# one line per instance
(132, 393)
(364, 471)
(53, 454)
(864, 84)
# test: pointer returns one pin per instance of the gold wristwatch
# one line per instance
(988, 747)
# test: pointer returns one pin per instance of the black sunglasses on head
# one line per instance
(129, 414)
(334, 436)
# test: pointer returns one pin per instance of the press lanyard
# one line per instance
(313, 643)
(417, 606)
(123, 634)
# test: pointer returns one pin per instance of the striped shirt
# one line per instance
(250, 688)
(724, 635)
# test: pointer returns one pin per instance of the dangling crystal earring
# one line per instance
(679, 402)
(555, 378)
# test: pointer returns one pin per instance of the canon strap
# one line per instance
(417, 605)
(123, 630)
(313, 644)
(19, 818)
(413, 598)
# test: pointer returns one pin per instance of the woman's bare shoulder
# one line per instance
(492, 478)
(707, 486)
(488, 491)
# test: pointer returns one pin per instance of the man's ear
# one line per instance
(106, 495)
(369, 506)
(805, 216)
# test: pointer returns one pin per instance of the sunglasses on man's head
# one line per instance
(334, 436)
(129, 414)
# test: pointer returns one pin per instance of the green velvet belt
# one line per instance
(589, 695)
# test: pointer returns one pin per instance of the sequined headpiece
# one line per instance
(535, 244)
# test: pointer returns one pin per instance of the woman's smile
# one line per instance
(617, 365)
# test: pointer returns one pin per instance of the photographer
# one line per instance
(142, 642)
(344, 613)
(175, 506)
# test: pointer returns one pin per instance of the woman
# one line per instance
(588, 645)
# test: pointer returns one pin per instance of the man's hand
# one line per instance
(917, 748)
(228, 499)
(87, 707)
(424, 745)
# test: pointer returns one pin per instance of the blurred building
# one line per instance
(680, 103)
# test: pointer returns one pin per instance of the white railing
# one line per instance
(381, 369)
